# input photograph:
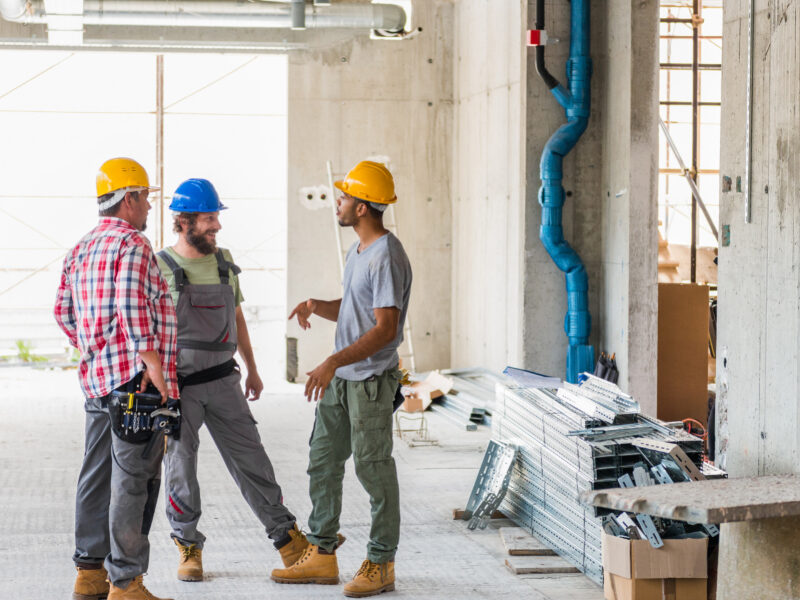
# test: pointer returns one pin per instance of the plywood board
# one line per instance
(682, 352)
(519, 542)
(709, 501)
(526, 565)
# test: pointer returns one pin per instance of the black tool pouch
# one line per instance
(130, 411)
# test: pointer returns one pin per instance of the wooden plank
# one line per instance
(709, 501)
(458, 515)
(526, 565)
(519, 542)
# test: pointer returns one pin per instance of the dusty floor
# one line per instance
(41, 444)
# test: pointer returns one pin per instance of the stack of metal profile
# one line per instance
(570, 440)
(471, 400)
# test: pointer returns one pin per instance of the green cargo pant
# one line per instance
(355, 417)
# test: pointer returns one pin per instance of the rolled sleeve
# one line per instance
(131, 298)
(64, 310)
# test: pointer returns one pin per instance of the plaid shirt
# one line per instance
(113, 303)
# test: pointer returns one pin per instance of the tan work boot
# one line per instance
(134, 591)
(190, 564)
(311, 567)
(371, 579)
(291, 552)
(90, 584)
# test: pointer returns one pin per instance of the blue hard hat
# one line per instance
(196, 196)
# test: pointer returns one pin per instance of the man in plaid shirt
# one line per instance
(116, 308)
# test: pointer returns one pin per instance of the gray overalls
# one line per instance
(206, 345)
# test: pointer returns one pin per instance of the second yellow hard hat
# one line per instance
(369, 181)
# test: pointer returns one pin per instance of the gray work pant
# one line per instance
(115, 501)
(222, 406)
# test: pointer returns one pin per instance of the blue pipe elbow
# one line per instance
(576, 101)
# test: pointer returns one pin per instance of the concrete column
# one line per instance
(759, 560)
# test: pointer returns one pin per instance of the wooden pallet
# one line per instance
(519, 542)
(526, 565)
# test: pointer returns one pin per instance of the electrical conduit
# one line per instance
(575, 99)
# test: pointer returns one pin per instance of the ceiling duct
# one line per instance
(61, 15)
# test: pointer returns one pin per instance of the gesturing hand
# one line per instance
(303, 311)
(319, 379)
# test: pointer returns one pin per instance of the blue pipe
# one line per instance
(575, 99)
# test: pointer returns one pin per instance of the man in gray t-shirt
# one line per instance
(355, 387)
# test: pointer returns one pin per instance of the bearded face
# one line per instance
(201, 232)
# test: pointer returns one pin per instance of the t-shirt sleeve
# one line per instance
(388, 283)
(237, 288)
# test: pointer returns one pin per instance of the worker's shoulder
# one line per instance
(226, 254)
(394, 248)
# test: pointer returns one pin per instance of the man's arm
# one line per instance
(327, 309)
(65, 309)
(253, 385)
(384, 331)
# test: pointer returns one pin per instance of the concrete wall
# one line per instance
(509, 298)
(759, 304)
(364, 98)
(488, 183)
(545, 343)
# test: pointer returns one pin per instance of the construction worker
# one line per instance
(355, 387)
(115, 308)
(211, 328)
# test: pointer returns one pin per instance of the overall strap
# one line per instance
(177, 272)
(223, 266)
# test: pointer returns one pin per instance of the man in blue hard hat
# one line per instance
(204, 284)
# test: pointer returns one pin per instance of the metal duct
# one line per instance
(388, 17)
(12, 10)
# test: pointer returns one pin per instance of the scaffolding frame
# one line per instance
(677, 27)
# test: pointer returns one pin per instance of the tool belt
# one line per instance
(207, 375)
(138, 417)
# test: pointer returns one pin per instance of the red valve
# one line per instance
(537, 37)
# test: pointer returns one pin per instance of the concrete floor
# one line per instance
(41, 420)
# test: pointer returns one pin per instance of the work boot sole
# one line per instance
(386, 588)
(190, 578)
(317, 580)
(76, 596)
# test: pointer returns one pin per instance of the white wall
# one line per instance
(365, 98)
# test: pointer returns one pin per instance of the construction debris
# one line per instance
(570, 440)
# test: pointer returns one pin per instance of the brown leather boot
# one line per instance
(134, 591)
(190, 563)
(291, 552)
(311, 567)
(90, 584)
(371, 579)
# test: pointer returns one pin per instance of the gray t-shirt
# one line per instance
(377, 277)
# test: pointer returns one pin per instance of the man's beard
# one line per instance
(200, 242)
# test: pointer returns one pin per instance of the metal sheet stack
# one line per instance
(470, 402)
(569, 440)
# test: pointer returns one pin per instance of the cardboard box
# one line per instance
(634, 570)
(420, 394)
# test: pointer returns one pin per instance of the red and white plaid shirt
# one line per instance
(113, 303)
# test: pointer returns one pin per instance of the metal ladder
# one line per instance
(406, 349)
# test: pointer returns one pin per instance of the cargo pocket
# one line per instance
(372, 438)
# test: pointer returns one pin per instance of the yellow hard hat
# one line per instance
(370, 181)
(119, 173)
